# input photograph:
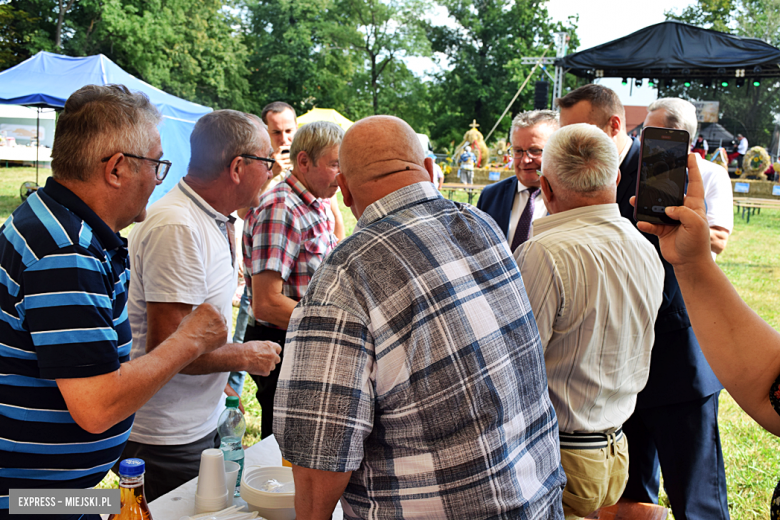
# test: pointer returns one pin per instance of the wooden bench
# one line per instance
(629, 510)
(750, 205)
(470, 189)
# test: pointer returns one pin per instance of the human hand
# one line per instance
(282, 158)
(689, 242)
(204, 327)
(229, 391)
(261, 357)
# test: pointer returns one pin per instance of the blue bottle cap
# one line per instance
(132, 467)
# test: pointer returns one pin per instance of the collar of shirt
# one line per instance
(522, 187)
(399, 199)
(204, 206)
(306, 196)
(599, 211)
(70, 200)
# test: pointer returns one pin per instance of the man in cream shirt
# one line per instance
(595, 285)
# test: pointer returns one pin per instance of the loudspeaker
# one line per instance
(542, 95)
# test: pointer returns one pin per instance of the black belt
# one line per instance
(590, 440)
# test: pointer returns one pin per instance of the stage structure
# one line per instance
(676, 52)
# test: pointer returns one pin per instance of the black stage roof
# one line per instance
(674, 50)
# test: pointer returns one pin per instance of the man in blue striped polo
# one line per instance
(67, 390)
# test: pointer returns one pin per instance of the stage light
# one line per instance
(651, 82)
(625, 81)
(707, 82)
(724, 83)
(740, 82)
(687, 83)
(638, 82)
(757, 81)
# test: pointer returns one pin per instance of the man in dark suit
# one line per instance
(515, 202)
(675, 425)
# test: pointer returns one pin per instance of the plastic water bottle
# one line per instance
(231, 430)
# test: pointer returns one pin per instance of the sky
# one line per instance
(599, 22)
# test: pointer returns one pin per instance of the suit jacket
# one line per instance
(678, 370)
(496, 200)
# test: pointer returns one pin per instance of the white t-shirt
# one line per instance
(180, 254)
(742, 147)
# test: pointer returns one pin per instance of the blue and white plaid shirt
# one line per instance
(414, 361)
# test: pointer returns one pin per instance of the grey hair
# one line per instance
(314, 138)
(99, 121)
(535, 117)
(680, 114)
(218, 138)
(582, 158)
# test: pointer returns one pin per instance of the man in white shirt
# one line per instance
(680, 114)
(515, 203)
(181, 256)
(595, 285)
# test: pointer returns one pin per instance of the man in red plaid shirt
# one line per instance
(292, 231)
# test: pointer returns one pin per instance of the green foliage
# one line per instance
(484, 51)
(748, 110)
(190, 49)
(295, 55)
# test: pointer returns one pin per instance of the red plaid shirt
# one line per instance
(290, 232)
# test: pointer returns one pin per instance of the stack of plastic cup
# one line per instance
(212, 490)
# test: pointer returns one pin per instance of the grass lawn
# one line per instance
(752, 263)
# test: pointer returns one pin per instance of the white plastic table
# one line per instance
(181, 501)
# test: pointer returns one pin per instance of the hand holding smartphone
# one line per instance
(662, 173)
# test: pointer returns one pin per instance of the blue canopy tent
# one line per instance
(47, 80)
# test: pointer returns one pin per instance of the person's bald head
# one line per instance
(379, 146)
(379, 155)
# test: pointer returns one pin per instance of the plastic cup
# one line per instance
(211, 477)
(231, 479)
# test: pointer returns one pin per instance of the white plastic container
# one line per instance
(272, 506)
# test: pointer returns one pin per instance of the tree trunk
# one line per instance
(60, 21)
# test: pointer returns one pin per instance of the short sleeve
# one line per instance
(69, 311)
(720, 201)
(324, 406)
(276, 240)
(774, 395)
(170, 264)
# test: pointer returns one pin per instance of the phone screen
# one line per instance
(662, 172)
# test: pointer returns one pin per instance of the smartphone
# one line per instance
(662, 172)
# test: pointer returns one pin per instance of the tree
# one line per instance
(483, 51)
(386, 31)
(295, 55)
(748, 110)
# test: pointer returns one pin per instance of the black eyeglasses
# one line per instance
(533, 153)
(269, 163)
(161, 168)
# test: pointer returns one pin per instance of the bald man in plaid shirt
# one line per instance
(414, 381)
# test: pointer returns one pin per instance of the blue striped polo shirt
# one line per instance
(63, 296)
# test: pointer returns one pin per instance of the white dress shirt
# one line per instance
(521, 199)
(595, 285)
(717, 194)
